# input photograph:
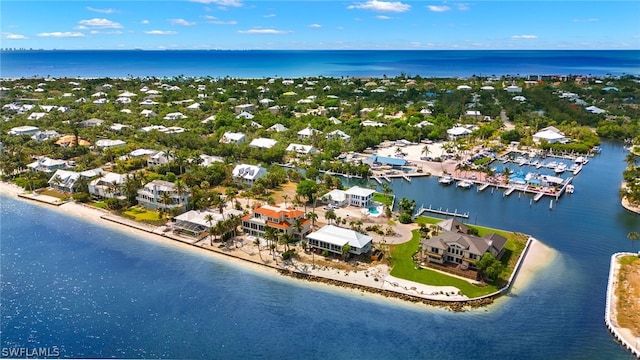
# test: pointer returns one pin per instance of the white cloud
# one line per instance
(99, 23)
(462, 7)
(436, 8)
(144, 22)
(263, 31)
(102, 11)
(181, 22)
(160, 32)
(269, 16)
(381, 6)
(116, 32)
(416, 43)
(11, 36)
(315, 26)
(586, 20)
(232, 3)
(214, 20)
(517, 37)
(383, 17)
(59, 34)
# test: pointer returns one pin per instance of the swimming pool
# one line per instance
(374, 211)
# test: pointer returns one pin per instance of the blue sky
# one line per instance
(290, 24)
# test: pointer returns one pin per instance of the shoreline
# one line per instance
(623, 336)
(374, 281)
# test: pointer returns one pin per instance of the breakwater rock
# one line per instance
(451, 305)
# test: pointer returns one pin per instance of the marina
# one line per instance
(439, 211)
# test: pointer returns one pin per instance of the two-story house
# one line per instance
(284, 220)
(160, 194)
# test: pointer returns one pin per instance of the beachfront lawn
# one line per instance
(383, 199)
(54, 193)
(145, 215)
(628, 292)
(99, 204)
(405, 268)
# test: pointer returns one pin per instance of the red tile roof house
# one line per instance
(280, 218)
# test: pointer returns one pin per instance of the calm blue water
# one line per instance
(95, 292)
(335, 63)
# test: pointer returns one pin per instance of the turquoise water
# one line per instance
(95, 292)
(373, 210)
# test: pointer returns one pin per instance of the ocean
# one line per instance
(93, 292)
(333, 63)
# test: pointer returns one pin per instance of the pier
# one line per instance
(406, 178)
(538, 196)
(483, 186)
(439, 211)
(509, 191)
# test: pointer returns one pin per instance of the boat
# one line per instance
(574, 167)
(446, 180)
(562, 167)
(596, 149)
(570, 189)
(552, 165)
(465, 184)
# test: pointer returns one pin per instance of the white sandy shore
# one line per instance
(376, 277)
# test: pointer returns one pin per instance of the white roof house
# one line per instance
(595, 110)
(333, 239)
(463, 87)
(108, 185)
(48, 165)
(107, 143)
(263, 143)
(355, 196)
(23, 130)
(159, 158)
(302, 149)
(245, 115)
(308, 132)
(65, 180)
(208, 160)
(45, 135)
(278, 128)
(174, 116)
(549, 136)
(247, 174)
(142, 152)
(148, 113)
(513, 89)
(231, 137)
(338, 134)
(372, 123)
(194, 106)
(36, 115)
(458, 132)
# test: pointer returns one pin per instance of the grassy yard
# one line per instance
(405, 268)
(141, 214)
(99, 204)
(383, 199)
(628, 292)
(53, 192)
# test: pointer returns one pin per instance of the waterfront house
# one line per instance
(109, 185)
(196, 223)
(244, 174)
(233, 138)
(283, 220)
(549, 134)
(384, 161)
(47, 165)
(458, 247)
(67, 181)
(333, 239)
(354, 196)
(152, 196)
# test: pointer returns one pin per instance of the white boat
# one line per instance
(570, 189)
(552, 165)
(596, 149)
(562, 167)
(574, 167)
(465, 184)
(446, 180)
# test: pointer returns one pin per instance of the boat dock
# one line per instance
(439, 211)
(509, 191)
(406, 178)
(483, 186)
(538, 196)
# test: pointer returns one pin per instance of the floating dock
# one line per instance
(439, 211)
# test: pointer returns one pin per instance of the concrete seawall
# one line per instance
(610, 309)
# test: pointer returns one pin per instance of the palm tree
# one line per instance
(297, 225)
(230, 195)
(166, 199)
(181, 189)
(256, 242)
(209, 219)
(285, 239)
(270, 235)
(330, 215)
(426, 151)
(345, 251)
(313, 216)
(633, 236)
(285, 197)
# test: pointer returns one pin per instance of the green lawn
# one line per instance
(405, 268)
(145, 215)
(383, 199)
(99, 204)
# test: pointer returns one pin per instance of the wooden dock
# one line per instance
(538, 196)
(509, 191)
(483, 186)
(439, 211)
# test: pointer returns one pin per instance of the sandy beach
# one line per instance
(245, 253)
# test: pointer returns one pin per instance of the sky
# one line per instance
(314, 25)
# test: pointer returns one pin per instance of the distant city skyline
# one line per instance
(320, 25)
